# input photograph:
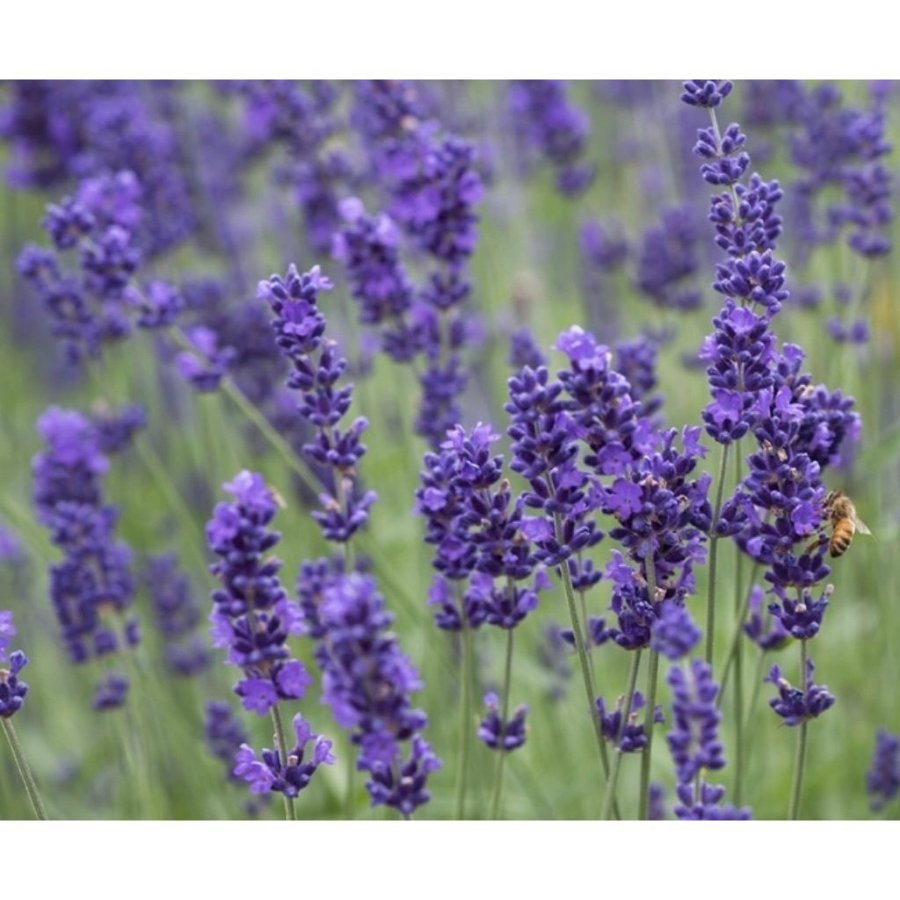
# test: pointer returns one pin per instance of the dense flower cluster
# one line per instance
(477, 530)
(299, 327)
(92, 588)
(694, 743)
(431, 185)
(252, 616)
(93, 300)
(367, 681)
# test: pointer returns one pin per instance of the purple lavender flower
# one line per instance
(802, 618)
(497, 734)
(693, 740)
(299, 327)
(554, 129)
(795, 705)
(177, 615)
(674, 633)
(110, 692)
(252, 615)
(11, 549)
(367, 681)
(524, 351)
(92, 587)
(767, 636)
(206, 363)
(667, 262)
(289, 776)
(12, 689)
(627, 735)
(223, 734)
(706, 805)
(116, 429)
(883, 777)
(708, 94)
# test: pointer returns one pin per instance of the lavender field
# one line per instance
(449, 450)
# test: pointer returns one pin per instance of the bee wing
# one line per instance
(861, 526)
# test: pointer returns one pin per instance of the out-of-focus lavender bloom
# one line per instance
(252, 616)
(116, 429)
(627, 735)
(12, 689)
(769, 636)
(674, 634)
(603, 252)
(795, 705)
(635, 360)
(553, 656)
(497, 734)
(694, 743)
(552, 128)
(367, 681)
(11, 549)
(839, 146)
(92, 588)
(856, 332)
(524, 351)
(177, 615)
(110, 692)
(289, 776)
(883, 777)
(693, 740)
(369, 249)
(706, 805)
(223, 734)
(667, 262)
(206, 363)
(656, 803)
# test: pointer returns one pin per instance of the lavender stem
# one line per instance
(800, 764)
(610, 797)
(507, 678)
(24, 770)
(713, 547)
(289, 812)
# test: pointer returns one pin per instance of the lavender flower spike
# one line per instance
(252, 615)
(883, 777)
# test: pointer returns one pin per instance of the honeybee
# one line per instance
(844, 522)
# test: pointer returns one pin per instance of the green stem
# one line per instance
(24, 770)
(466, 665)
(609, 799)
(507, 677)
(713, 548)
(289, 812)
(738, 657)
(738, 632)
(648, 730)
(800, 763)
(652, 680)
(586, 675)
